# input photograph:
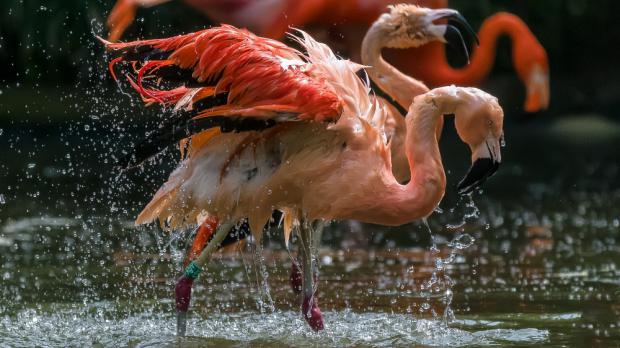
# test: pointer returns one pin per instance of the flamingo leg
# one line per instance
(205, 231)
(310, 306)
(183, 289)
(316, 244)
(296, 275)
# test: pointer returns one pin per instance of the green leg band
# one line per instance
(193, 270)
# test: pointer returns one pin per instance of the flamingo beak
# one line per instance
(486, 159)
(459, 34)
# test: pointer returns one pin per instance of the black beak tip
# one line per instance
(460, 22)
(480, 170)
(454, 38)
(463, 190)
(460, 35)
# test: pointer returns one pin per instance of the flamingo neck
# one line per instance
(396, 84)
(483, 57)
(399, 204)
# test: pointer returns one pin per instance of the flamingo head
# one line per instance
(409, 26)
(531, 63)
(479, 121)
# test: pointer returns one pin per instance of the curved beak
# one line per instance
(459, 34)
(486, 158)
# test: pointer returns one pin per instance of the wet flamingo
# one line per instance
(417, 29)
(347, 21)
(274, 129)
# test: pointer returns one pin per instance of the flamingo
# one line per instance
(273, 129)
(416, 25)
(272, 18)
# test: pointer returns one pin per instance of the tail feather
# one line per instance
(176, 130)
(189, 146)
(156, 206)
(165, 204)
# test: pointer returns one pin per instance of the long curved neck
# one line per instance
(396, 204)
(396, 84)
(483, 57)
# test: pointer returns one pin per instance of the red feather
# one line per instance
(248, 67)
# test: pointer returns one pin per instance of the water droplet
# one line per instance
(463, 241)
(2, 199)
(31, 165)
(327, 260)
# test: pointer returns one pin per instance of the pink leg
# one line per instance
(183, 289)
(296, 278)
(312, 313)
(183, 296)
(309, 305)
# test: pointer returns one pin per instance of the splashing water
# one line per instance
(440, 283)
(98, 324)
(264, 300)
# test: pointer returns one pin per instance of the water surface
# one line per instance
(543, 269)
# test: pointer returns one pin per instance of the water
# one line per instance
(344, 328)
(543, 269)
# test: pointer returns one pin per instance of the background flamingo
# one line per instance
(343, 24)
(250, 172)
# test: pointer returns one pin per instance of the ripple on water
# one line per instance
(96, 326)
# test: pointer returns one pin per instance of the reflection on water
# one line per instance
(543, 268)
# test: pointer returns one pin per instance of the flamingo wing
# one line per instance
(221, 77)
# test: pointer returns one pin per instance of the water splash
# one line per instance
(100, 324)
(440, 283)
(264, 300)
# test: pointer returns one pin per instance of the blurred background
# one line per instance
(543, 268)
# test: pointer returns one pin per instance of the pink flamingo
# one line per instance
(416, 29)
(296, 133)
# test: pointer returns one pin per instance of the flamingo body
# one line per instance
(316, 149)
(263, 170)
